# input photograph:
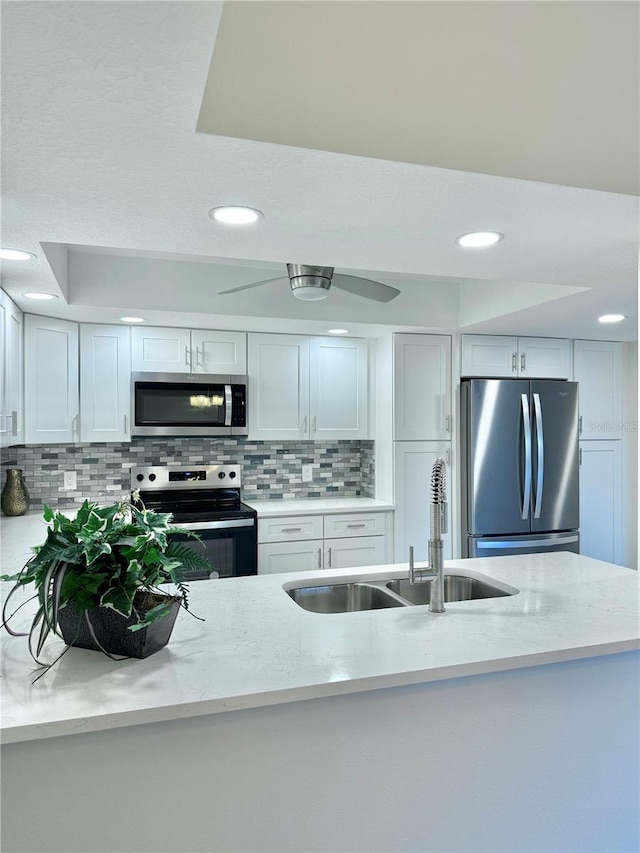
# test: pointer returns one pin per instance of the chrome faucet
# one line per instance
(438, 525)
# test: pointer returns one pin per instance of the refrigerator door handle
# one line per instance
(526, 422)
(540, 446)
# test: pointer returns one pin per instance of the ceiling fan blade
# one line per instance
(249, 286)
(364, 287)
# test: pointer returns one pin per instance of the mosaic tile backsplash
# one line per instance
(270, 470)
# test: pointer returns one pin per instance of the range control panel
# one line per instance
(183, 477)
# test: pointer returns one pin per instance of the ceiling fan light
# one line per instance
(309, 292)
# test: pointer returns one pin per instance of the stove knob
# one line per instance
(222, 475)
(232, 474)
(152, 477)
(139, 477)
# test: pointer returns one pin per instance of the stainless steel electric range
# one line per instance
(206, 500)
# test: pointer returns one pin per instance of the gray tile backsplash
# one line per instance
(269, 469)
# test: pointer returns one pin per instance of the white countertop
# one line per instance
(316, 506)
(258, 647)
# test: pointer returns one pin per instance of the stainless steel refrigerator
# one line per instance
(519, 449)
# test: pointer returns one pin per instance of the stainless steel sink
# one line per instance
(456, 588)
(343, 598)
(362, 593)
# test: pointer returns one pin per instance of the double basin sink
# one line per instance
(397, 592)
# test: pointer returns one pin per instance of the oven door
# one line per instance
(231, 545)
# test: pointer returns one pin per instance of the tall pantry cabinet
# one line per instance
(422, 428)
(598, 370)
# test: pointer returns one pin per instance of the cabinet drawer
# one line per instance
(293, 528)
(360, 524)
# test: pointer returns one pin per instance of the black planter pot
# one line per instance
(111, 629)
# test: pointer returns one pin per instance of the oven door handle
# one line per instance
(218, 525)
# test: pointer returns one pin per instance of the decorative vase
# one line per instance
(106, 630)
(15, 497)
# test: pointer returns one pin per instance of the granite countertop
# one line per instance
(257, 647)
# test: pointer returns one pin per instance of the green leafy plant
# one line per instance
(104, 557)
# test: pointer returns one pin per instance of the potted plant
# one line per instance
(97, 580)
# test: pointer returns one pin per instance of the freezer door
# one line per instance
(554, 426)
(532, 544)
(496, 449)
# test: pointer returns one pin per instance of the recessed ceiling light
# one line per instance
(16, 255)
(338, 331)
(132, 319)
(611, 318)
(42, 296)
(235, 214)
(479, 239)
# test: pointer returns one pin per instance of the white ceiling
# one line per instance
(104, 170)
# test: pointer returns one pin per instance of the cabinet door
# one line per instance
(105, 383)
(600, 500)
(544, 358)
(422, 387)
(14, 376)
(338, 388)
(11, 373)
(354, 552)
(489, 355)
(219, 352)
(274, 557)
(159, 350)
(278, 403)
(598, 370)
(51, 380)
(413, 463)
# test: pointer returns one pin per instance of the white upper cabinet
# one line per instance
(278, 403)
(337, 388)
(51, 380)
(598, 370)
(12, 373)
(422, 387)
(105, 383)
(307, 388)
(497, 356)
(163, 350)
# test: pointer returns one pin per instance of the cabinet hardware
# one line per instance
(319, 558)
(291, 529)
(304, 425)
(580, 456)
(329, 558)
(514, 362)
(13, 417)
(523, 359)
(447, 456)
(75, 424)
(356, 525)
(125, 424)
(187, 356)
(313, 424)
(447, 423)
(580, 425)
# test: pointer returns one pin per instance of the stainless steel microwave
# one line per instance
(188, 404)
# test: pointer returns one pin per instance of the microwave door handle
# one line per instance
(228, 401)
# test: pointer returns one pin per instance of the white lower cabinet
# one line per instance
(413, 463)
(601, 500)
(312, 542)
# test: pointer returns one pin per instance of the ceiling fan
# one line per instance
(312, 283)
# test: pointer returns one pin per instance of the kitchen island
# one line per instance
(508, 723)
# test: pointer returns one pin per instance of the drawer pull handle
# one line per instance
(291, 529)
(356, 525)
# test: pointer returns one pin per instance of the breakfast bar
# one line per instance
(505, 723)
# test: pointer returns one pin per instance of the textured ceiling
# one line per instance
(100, 152)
